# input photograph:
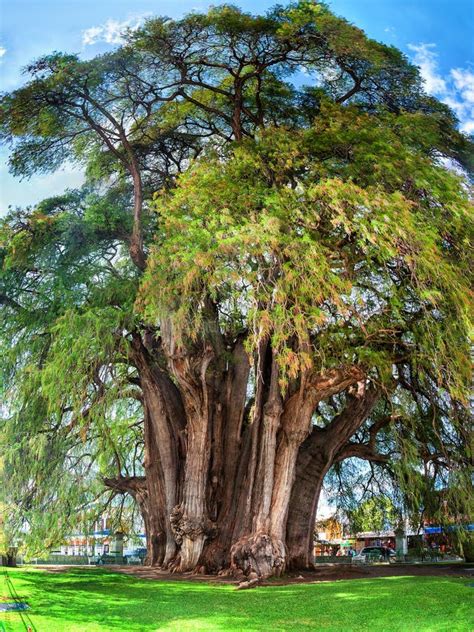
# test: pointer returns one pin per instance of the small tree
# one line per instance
(374, 514)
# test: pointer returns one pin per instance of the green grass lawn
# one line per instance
(87, 600)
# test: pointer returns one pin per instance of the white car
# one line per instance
(375, 554)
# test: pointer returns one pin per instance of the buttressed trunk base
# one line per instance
(232, 485)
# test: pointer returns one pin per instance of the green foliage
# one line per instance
(335, 264)
(374, 514)
(70, 296)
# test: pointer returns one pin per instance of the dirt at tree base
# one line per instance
(330, 572)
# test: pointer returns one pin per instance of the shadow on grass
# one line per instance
(119, 602)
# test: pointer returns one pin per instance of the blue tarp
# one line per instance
(431, 530)
(12, 606)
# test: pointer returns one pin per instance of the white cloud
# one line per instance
(2, 51)
(112, 31)
(426, 59)
(464, 82)
(28, 192)
(90, 36)
(456, 89)
(468, 127)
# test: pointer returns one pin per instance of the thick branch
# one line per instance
(126, 484)
(361, 451)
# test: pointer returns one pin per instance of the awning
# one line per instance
(435, 529)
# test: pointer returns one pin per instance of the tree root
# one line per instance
(256, 557)
(251, 582)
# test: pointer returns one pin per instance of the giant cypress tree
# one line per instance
(258, 280)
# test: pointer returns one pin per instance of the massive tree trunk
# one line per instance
(200, 388)
(164, 427)
(256, 553)
(316, 456)
(232, 481)
(281, 425)
(227, 460)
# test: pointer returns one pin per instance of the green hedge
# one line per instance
(333, 559)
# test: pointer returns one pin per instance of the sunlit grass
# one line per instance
(89, 600)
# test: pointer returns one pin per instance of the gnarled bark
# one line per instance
(190, 518)
(280, 427)
(164, 425)
(228, 459)
(256, 553)
(315, 458)
(219, 493)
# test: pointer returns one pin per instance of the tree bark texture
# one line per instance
(233, 465)
(317, 454)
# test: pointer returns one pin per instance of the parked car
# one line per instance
(375, 554)
(132, 559)
(141, 552)
(135, 557)
(105, 558)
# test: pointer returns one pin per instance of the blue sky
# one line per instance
(438, 35)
